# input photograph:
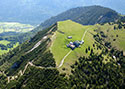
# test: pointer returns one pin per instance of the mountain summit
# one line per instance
(85, 15)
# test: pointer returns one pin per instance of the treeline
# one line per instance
(85, 15)
(92, 73)
(120, 22)
(41, 79)
(87, 72)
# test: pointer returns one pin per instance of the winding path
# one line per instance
(64, 59)
(45, 37)
(71, 50)
(84, 34)
(38, 43)
(21, 72)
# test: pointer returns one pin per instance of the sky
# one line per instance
(40, 10)
(118, 5)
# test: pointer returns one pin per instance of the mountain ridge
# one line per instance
(47, 60)
(85, 15)
(30, 66)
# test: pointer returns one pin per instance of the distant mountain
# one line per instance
(33, 11)
(85, 15)
(37, 11)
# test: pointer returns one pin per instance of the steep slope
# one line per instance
(45, 61)
(85, 15)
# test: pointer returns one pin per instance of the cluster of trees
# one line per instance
(92, 73)
(41, 79)
(16, 59)
(121, 23)
(5, 47)
(100, 38)
(87, 72)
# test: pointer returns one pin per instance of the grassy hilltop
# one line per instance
(70, 28)
(83, 67)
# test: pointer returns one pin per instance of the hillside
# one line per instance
(46, 62)
(85, 15)
(33, 12)
(114, 37)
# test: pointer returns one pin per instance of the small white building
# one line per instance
(69, 37)
(81, 42)
(71, 43)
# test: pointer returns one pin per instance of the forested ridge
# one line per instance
(97, 70)
(85, 15)
(87, 72)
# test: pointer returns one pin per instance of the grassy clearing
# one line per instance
(119, 43)
(4, 42)
(70, 28)
(5, 51)
(59, 49)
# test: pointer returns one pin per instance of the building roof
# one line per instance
(69, 37)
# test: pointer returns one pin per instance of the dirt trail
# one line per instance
(38, 43)
(64, 59)
(71, 50)
(21, 72)
(40, 67)
(84, 34)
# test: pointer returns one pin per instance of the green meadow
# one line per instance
(114, 34)
(59, 49)
(4, 42)
(5, 51)
(70, 28)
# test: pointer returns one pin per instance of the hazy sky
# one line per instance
(118, 5)
(28, 10)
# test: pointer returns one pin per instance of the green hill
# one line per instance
(85, 15)
(69, 28)
(60, 40)
(42, 62)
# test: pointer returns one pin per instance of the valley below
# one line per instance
(8, 33)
